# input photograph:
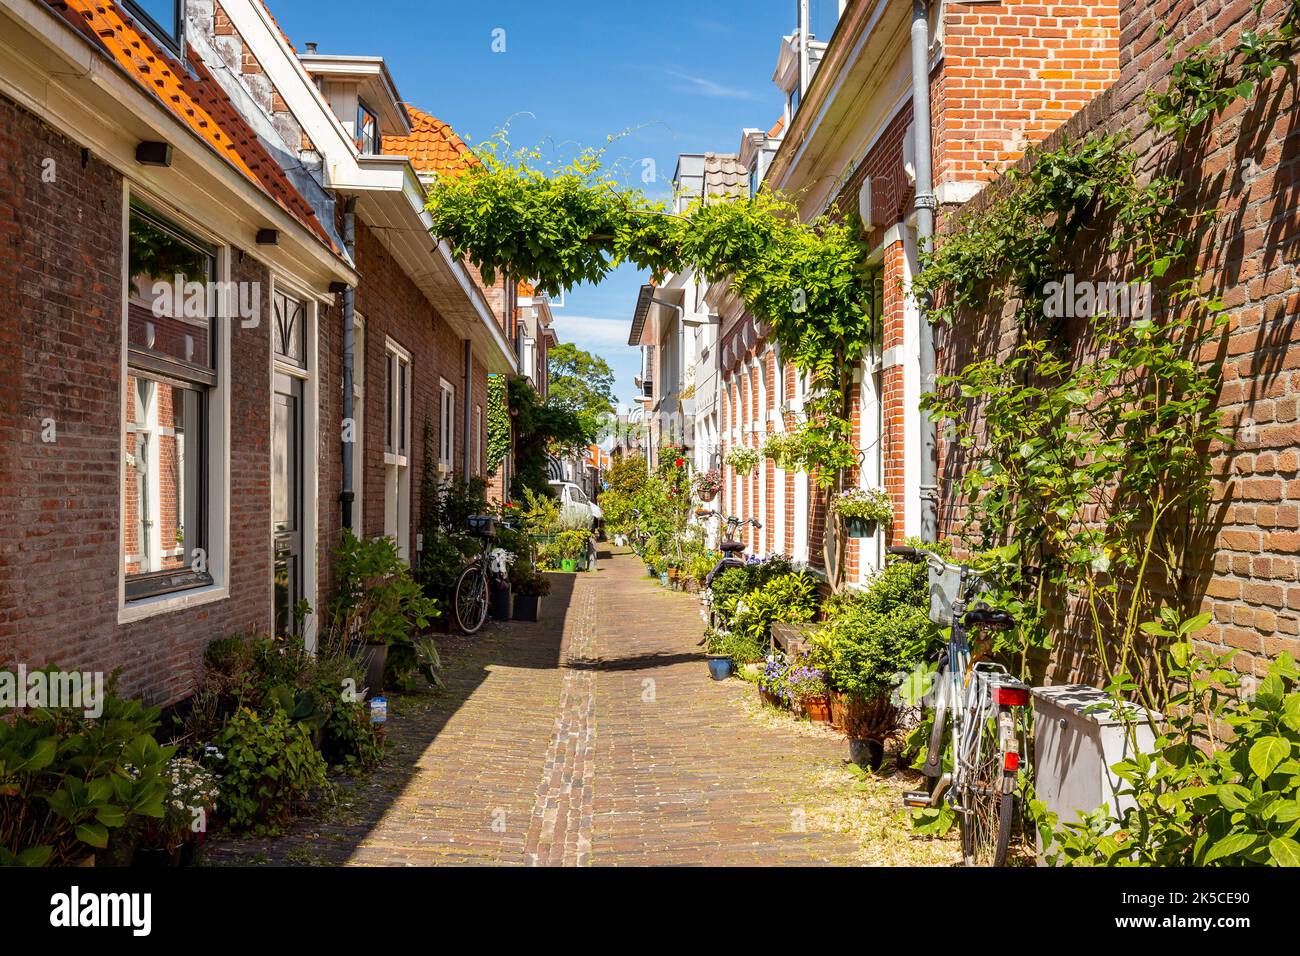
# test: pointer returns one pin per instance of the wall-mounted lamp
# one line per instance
(150, 153)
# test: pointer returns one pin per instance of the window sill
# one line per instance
(166, 603)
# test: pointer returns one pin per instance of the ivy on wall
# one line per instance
(498, 423)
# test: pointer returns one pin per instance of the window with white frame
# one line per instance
(171, 384)
(446, 426)
(397, 438)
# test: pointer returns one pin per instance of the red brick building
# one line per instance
(175, 239)
(1002, 75)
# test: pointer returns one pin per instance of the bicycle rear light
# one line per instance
(1011, 761)
(1011, 696)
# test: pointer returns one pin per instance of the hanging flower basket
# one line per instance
(708, 484)
(863, 510)
(742, 460)
(860, 527)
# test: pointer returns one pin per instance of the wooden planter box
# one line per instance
(791, 638)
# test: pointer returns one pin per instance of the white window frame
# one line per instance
(446, 427)
(218, 411)
(397, 458)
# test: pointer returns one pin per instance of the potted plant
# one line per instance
(530, 586)
(742, 460)
(378, 603)
(708, 484)
(807, 685)
(862, 510)
(772, 686)
(175, 838)
(571, 548)
(780, 449)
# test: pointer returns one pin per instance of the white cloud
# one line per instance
(593, 333)
(706, 87)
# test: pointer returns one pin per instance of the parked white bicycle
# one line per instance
(979, 719)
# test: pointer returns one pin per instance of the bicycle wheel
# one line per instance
(987, 800)
(471, 599)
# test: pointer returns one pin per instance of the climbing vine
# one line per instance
(1083, 444)
(1204, 83)
(498, 426)
(571, 223)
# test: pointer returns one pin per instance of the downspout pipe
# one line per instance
(925, 206)
(347, 495)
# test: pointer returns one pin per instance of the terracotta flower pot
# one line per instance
(818, 709)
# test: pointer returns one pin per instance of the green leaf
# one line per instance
(96, 834)
(1266, 753)
(1284, 851)
(1232, 845)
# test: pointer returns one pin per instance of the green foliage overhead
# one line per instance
(572, 224)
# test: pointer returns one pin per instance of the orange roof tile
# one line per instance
(777, 128)
(433, 147)
(197, 101)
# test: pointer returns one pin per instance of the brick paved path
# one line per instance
(592, 738)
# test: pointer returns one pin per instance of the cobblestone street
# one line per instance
(594, 737)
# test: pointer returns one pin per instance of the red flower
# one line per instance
(680, 462)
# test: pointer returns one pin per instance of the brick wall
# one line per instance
(61, 249)
(1012, 73)
(395, 308)
(1245, 164)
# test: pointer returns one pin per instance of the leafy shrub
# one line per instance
(741, 647)
(267, 768)
(788, 599)
(66, 780)
(377, 601)
(572, 545)
(862, 650)
(321, 691)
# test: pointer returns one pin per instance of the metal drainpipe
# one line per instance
(349, 344)
(468, 414)
(925, 206)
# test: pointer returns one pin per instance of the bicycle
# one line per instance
(986, 705)
(471, 596)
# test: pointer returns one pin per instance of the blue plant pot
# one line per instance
(720, 667)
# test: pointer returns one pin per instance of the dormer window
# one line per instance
(368, 142)
(794, 101)
(164, 19)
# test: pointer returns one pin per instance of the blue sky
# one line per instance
(683, 76)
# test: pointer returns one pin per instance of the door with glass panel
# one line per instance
(287, 457)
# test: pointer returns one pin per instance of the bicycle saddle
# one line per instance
(981, 615)
(732, 547)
